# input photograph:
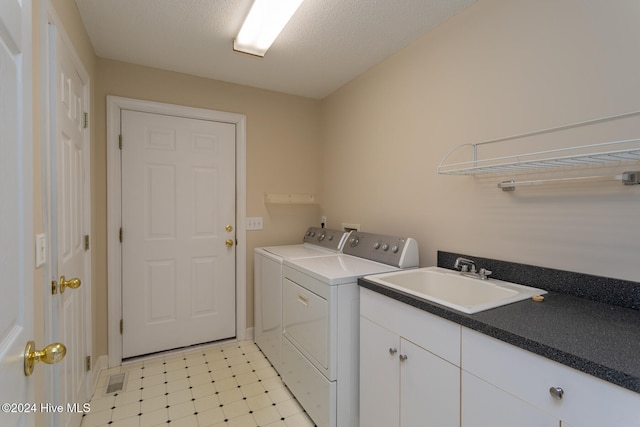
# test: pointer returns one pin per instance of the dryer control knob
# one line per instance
(395, 249)
(354, 242)
(376, 245)
(321, 237)
(385, 247)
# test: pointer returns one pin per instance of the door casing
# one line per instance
(49, 17)
(114, 266)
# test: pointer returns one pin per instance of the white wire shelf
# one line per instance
(544, 159)
(592, 154)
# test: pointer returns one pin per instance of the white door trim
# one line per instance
(48, 16)
(114, 106)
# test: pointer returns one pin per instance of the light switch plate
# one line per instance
(41, 250)
(254, 223)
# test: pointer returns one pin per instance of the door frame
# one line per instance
(49, 83)
(115, 105)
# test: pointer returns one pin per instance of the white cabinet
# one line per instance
(484, 405)
(429, 389)
(379, 375)
(527, 378)
(417, 369)
(405, 377)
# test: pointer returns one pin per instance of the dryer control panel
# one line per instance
(392, 250)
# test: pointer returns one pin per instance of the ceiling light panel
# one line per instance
(264, 23)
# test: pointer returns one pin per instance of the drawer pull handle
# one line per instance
(302, 299)
(392, 351)
(556, 392)
(403, 357)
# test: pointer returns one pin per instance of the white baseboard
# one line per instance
(101, 363)
(249, 334)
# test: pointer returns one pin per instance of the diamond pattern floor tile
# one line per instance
(225, 385)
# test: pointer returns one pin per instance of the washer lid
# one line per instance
(339, 269)
(298, 251)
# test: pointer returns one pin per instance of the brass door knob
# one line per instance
(53, 353)
(229, 242)
(71, 283)
(229, 228)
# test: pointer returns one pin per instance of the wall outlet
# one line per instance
(350, 226)
(41, 250)
(253, 223)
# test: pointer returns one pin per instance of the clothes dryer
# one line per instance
(321, 309)
(317, 242)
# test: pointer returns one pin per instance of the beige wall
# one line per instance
(501, 67)
(370, 150)
(283, 138)
(282, 148)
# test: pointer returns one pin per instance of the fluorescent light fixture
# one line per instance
(264, 23)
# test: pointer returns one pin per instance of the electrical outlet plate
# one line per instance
(350, 226)
(254, 223)
(41, 250)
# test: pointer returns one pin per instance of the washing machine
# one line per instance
(321, 309)
(267, 281)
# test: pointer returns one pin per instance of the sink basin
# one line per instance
(450, 288)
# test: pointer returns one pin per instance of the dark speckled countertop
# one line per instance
(594, 337)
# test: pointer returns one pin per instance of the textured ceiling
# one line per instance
(326, 44)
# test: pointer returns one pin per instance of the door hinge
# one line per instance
(120, 142)
(88, 363)
(121, 326)
(85, 120)
(120, 235)
(86, 242)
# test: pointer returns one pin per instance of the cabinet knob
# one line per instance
(392, 351)
(556, 392)
(403, 357)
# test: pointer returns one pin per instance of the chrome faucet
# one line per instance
(467, 267)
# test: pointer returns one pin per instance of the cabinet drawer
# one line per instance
(434, 333)
(587, 401)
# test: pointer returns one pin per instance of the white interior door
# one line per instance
(16, 211)
(178, 229)
(70, 306)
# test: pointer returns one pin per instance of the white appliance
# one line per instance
(320, 306)
(267, 281)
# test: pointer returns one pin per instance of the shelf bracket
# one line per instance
(627, 178)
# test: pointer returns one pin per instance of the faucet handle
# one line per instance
(484, 273)
(463, 264)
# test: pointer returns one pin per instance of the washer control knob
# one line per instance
(321, 237)
(385, 247)
(354, 242)
(330, 237)
(313, 233)
(395, 249)
(376, 245)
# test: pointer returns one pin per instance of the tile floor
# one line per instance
(226, 385)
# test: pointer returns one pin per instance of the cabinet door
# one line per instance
(429, 389)
(379, 375)
(485, 405)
